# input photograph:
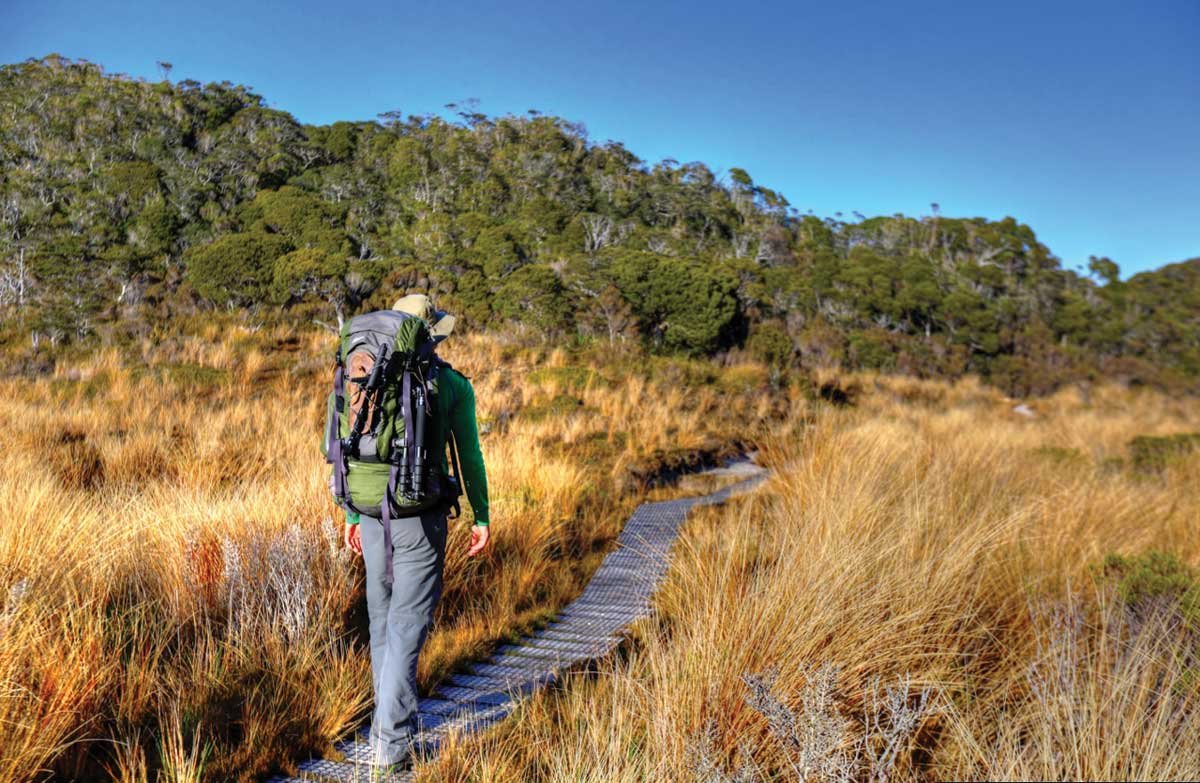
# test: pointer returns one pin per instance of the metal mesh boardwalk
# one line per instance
(588, 628)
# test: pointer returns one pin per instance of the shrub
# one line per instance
(305, 272)
(1152, 453)
(1153, 579)
(770, 344)
(872, 349)
(535, 295)
(235, 269)
(682, 304)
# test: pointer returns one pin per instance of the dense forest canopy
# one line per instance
(124, 202)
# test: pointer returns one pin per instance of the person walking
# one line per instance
(405, 553)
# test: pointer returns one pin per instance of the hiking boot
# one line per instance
(390, 773)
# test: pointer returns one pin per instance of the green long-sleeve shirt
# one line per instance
(455, 413)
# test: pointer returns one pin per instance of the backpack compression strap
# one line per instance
(394, 473)
(335, 454)
(386, 519)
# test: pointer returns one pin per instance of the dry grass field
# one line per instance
(930, 586)
(926, 590)
(175, 603)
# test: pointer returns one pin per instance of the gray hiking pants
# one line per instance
(400, 617)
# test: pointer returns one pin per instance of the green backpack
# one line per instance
(379, 417)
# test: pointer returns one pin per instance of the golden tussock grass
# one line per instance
(175, 604)
(918, 592)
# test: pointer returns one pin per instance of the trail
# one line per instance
(588, 628)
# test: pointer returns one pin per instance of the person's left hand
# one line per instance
(479, 539)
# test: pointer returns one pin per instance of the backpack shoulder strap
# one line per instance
(334, 451)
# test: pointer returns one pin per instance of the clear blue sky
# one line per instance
(1079, 118)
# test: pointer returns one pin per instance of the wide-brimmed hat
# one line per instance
(441, 323)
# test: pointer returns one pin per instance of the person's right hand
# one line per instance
(354, 539)
(479, 540)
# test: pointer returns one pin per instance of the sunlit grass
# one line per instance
(929, 541)
(174, 601)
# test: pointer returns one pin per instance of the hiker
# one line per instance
(402, 408)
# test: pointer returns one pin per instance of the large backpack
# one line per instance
(379, 419)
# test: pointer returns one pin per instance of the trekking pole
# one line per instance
(374, 382)
(419, 438)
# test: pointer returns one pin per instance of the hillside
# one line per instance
(127, 203)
